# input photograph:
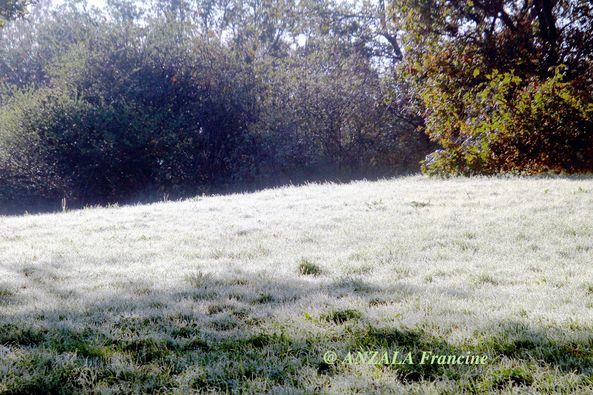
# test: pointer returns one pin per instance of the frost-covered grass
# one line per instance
(245, 293)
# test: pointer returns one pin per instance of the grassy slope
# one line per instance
(208, 293)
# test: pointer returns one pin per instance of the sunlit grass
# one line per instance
(247, 292)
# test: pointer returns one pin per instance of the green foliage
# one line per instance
(341, 316)
(512, 125)
(144, 123)
(499, 85)
(308, 268)
(10, 9)
(131, 104)
(335, 117)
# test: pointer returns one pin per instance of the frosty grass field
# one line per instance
(248, 292)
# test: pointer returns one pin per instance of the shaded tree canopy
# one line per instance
(10, 9)
(140, 99)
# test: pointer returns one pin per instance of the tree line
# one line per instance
(140, 99)
(185, 97)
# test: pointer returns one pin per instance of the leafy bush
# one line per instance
(111, 125)
(501, 88)
(321, 119)
(515, 125)
(130, 104)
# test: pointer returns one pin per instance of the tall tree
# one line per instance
(490, 74)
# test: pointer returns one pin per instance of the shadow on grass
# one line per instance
(34, 205)
(148, 341)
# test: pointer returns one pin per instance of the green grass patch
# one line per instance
(308, 268)
(172, 356)
(341, 316)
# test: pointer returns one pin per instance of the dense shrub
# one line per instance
(335, 121)
(512, 125)
(123, 106)
(114, 124)
(502, 87)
